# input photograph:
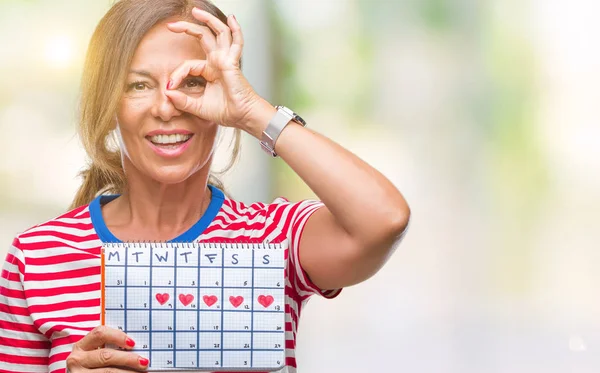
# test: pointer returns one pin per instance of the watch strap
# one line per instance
(276, 125)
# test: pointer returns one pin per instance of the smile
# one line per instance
(169, 145)
(174, 139)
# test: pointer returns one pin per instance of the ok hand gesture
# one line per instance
(228, 98)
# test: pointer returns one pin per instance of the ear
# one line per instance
(115, 123)
(119, 136)
(115, 139)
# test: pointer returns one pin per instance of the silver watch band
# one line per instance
(276, 125)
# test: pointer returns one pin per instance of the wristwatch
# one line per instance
(276, 125)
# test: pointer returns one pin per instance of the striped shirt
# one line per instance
(50, 284)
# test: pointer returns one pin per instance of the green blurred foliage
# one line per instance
(517, 178)
(436, 14)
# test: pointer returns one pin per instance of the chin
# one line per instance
(172, 174)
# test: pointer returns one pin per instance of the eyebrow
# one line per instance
(142, 73)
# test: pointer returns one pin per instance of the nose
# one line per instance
(163, 108)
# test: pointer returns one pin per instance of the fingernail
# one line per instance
(235, 19)
(130, 342)
(144, 361)
(170, 84)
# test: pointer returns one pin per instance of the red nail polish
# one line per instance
(170, 84)
(130, 342)
(144, 361)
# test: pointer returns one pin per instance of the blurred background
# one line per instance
(483, 113)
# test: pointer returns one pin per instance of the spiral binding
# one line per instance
(229, 244)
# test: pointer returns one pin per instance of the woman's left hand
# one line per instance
(228, 98)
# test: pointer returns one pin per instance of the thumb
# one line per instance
(184, 102)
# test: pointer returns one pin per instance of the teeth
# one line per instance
(169, 139)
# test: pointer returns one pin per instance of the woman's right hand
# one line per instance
(88, 353)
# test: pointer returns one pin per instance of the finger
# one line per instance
(238, 39)
(102, 335)
(203, 33)
(219, 28)
(189, 67)
(107, 357)
(72, 368)
(183, 102)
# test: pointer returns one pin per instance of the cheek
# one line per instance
(129, 121)
(130, 112)
(208, 137)
(130, 117)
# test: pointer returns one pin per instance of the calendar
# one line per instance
(198, 306)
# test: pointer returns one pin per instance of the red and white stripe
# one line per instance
(50, 282)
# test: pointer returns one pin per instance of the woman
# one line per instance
(162, 76)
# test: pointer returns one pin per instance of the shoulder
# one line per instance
(76, 218)
(262, 221)
(68, 229)
(280, 208)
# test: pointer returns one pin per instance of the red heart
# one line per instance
(162, 298)
(236, 301)
(265, 300)
(186, 299)
(210, 299)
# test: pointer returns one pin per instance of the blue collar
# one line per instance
(190, 235)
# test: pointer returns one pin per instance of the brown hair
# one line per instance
(109, 55)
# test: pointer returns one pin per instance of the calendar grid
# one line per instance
(208, 331)
(204, 287)
(150, 321)
(125, 295)
(252, 319)
(198, 314)
(243, 330)
(225, 350)
(175, 307)
(222, 296)
(147, 266)
(191, 311)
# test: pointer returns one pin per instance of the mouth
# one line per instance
(172, 141)
(171, 145)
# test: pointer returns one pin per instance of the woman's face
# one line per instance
(158, 140)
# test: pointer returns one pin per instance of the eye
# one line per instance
(195, 82)
(136, 86)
